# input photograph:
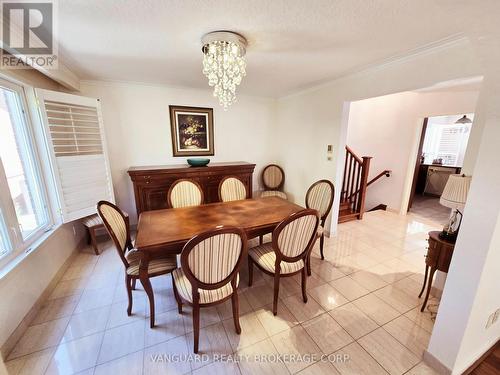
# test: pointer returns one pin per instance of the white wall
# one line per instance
(388, 128)
(310, 120)
(137, 125)
(472, 290)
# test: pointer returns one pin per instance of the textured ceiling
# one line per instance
(293, 44)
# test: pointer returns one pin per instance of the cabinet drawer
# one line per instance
(432, 254)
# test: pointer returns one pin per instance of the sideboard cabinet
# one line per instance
(151, 183)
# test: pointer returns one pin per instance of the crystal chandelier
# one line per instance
(223, 63)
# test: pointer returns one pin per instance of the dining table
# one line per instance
(165, 232)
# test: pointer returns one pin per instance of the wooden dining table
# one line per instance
(163, 232)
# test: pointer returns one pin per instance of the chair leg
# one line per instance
(236, 312)
(308, 264)
(250, 271)
(321, 242)
(177, 297)
(304, 283)
(133, 283)
(196, 323)
(276, 293)
(93, 241)
(128, 282)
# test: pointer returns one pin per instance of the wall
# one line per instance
(388, 128)
(22, 287)
(315, 117)
(310, 120)
(137, 125)
(472, 290)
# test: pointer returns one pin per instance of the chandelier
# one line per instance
(223, 64)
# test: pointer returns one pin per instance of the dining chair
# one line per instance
(273, 177)
(320, 197)
(232, 189)
(185, 193)
(273, 193)
(209, 273)
(117, 224)
(286, 254)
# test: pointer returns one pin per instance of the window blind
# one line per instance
(76, 142)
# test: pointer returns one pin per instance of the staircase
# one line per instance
(354, 184)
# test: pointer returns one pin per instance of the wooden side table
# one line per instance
(438, 258)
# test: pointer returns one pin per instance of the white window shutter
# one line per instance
(77, 146)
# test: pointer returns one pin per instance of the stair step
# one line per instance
(345, 218)
(345, 205)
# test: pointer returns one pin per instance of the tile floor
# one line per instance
(430, 208)
(363, 313)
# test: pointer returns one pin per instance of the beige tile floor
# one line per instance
(363, 313)
(430, 208)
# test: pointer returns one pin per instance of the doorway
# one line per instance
(442, 146)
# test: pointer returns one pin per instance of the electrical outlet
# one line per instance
(496, 314)
(493, 318)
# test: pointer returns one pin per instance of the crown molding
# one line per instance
(452, 41)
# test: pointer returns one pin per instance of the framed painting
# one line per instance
(192, 131)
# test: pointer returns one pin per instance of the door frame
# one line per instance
(418, 163)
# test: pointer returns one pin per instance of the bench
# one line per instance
(92, 223)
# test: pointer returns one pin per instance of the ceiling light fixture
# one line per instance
(464, 120)
(223, 63)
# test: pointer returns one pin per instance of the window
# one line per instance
(447, 140)
(23, 202)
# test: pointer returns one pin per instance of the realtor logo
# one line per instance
(28, 30)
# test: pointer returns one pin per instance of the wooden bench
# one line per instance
(92, 223)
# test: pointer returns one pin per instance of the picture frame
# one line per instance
(192, 131)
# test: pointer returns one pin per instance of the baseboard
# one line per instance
(478, 361)
(435, 292)
(15, 336)
(435, 364)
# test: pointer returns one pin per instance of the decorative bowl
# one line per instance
(198, 162)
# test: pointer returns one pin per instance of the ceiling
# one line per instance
(293, 44)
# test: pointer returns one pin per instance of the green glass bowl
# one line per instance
(198, 162)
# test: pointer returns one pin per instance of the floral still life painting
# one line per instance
(192, 131)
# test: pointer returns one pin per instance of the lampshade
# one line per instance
(455, 192)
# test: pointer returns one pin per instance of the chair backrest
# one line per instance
(185, 193)
(117, 224)
(232, 189)
(273, 177)
(213, 258)
(273, 193)
(294, 236)
(320, 197)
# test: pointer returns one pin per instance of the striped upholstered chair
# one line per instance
(273, 179)
(320, 197)
(232, 189)
(117, 224)
(185, 193)
(273, 193)
(287, 253)
(209, 273)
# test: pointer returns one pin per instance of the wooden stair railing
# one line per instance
(352, 197)
(386, 173)
(354, 184)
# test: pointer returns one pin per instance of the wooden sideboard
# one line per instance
(151, 183)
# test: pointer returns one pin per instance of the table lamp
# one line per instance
(454, 196)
